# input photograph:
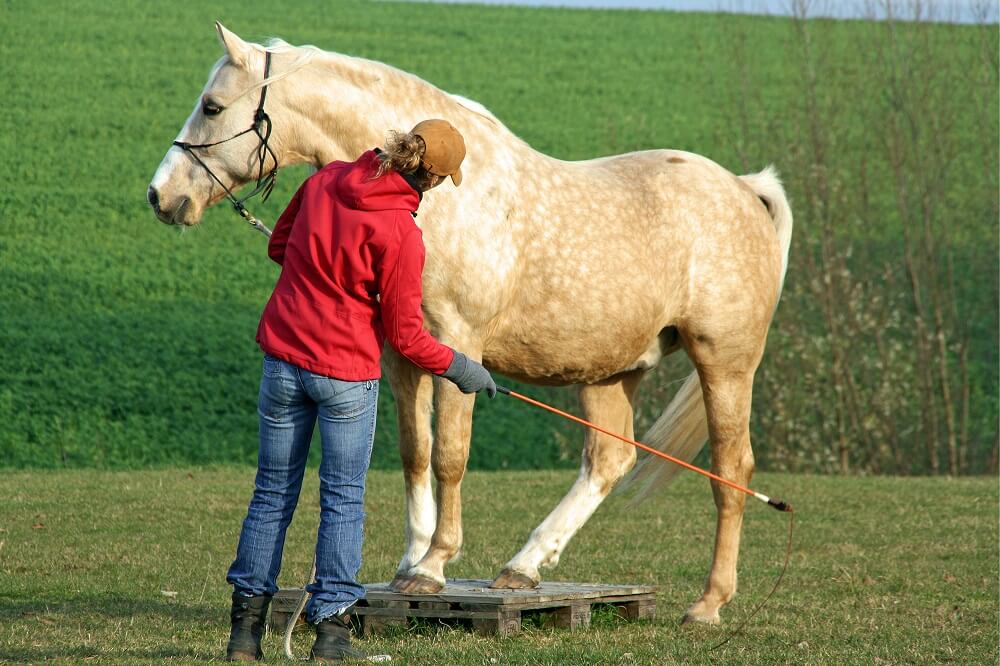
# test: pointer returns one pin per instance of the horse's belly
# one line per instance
(576, 348)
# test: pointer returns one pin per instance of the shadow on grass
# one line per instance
(32, 656)
(109, 606)
(98, 614)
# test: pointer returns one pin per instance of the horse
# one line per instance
(551, 272)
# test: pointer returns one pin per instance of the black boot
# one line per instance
(249, 615)
(333, 641)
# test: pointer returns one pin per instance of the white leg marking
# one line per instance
(548, 540)
(421, 518)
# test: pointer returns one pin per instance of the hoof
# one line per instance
(693, 618)
(414, 584)
(513, 580)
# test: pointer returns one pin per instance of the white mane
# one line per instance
(476, 107)
(277, 45)
(306, 53)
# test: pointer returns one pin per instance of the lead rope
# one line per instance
(290, 627)
(264, 186)
(253, 221)
(295, 616)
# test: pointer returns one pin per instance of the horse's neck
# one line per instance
(349, 104)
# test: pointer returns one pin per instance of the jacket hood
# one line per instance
(358, 188)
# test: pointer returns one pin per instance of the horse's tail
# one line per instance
(682, 429)
(767, 186)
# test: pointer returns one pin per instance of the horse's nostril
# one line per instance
(153, 197)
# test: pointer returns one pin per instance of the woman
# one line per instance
(351, 258)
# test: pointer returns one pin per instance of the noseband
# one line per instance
(262, 128)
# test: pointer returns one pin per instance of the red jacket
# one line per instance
(351, 258)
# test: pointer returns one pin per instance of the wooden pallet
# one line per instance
(489, 611)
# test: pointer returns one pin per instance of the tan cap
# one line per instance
(445, 148)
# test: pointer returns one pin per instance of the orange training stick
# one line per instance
(777, 504)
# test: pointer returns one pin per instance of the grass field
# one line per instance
(128, 345)
(884, 570)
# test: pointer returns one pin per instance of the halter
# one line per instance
(265, 182)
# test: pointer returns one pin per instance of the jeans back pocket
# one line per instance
(341, 399)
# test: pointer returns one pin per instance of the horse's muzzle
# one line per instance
(165, 215)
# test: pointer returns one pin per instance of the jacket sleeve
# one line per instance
(401, 295)
(283, 228)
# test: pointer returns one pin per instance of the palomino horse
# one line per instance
(551, 272)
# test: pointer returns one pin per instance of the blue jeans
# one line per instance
(291, 399)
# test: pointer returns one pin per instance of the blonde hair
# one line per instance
(402, 153)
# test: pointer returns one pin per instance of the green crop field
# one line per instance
(128, 344)
(884, 570)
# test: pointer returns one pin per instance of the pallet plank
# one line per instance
(490, 611)
(537, 605)
(423, 612)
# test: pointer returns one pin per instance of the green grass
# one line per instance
(884, 570)
(130, 345)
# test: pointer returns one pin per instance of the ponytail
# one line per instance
(402, 153)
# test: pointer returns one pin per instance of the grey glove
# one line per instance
(469, 376)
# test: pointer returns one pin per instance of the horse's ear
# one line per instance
(239, 51)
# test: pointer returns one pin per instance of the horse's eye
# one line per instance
(210, 109)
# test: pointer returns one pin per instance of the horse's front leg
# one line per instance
(413, 390)
(448, 459)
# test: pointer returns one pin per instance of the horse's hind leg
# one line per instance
(727, 382)
(605, 462)
(413, 390)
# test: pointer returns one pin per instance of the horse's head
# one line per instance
(182, 187)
